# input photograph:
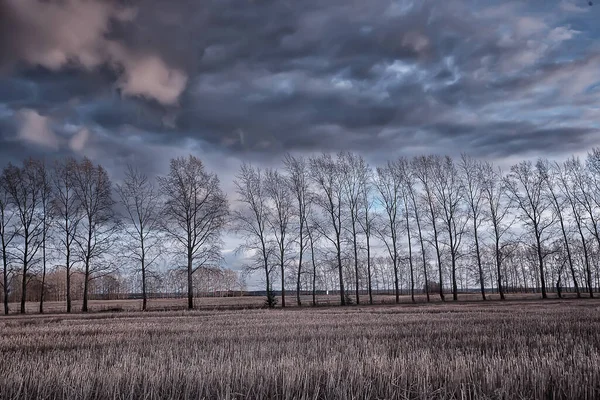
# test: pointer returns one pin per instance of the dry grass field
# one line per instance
(248, 302)
(492, 350)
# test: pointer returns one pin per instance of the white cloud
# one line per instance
(570, 6)
(148, 76)
(35, 128)
(74, 32)
(78, 140)
(561, 34)
(528, 26)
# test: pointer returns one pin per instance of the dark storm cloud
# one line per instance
(130, 79)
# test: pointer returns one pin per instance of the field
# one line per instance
(250, 302)
(469, 350)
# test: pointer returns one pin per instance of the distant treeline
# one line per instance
(427, 224)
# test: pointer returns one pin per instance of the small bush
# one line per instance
(348, 299)
(271, 300)
(433, 286)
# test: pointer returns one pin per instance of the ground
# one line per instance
(246, 302)
(501, 350)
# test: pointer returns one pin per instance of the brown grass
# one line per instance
(245, 302)
(479, 350)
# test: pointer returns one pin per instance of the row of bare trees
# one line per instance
(432, 220)
(122, 284)
(325, 222)
(70, 213)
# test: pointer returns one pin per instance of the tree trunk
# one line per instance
(439, 259)
(395, 262)
(282, 282)
(598, 240)
(597, 236)
(340, 270)
(87, 267)
(424, 262)
(541, 264)
(298, 286)
(314, 265)
(567, 247)
(588, 270)
(43, 273)
(144, 295)
(25, 268)
(43, 290)
(355, 260)
(270, 299)
(68, 286)
(437, 250)
(478, 252)
(143, 265)
(410, 262)
(570, 258)
(190, 281)
(418, 221)
(453, 259)
(314, 281)
(68, 268)
(84, 307)
(5, 276)
(454, 285)
(369, 269)
(498, 265)
(396, 286)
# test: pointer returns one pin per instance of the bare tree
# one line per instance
(99, 225)
(141, 203)
(389, 184)
(251, 221)
(499, 206)
(406, 189)
(194, 212)
(326, 173)
(8, 231)
(583, 191)
(588, 182)
(550, 175)
(351, 166)
(409, 194)
(46, 195)
(424, 169)
(67, 211)
(449, 194)
(24, 189)
(367, 218)
(297, 170)
(473, 188)
(569, 175)
(313, 238)
(525, 183)
(280, 216)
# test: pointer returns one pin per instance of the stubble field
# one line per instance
(493, 350)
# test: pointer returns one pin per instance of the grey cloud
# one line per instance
(265, 77)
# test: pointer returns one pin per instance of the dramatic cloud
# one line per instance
(149, 77)
(123, 81)
(139, 82)
(75, 34)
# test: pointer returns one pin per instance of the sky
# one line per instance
(132, 82)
